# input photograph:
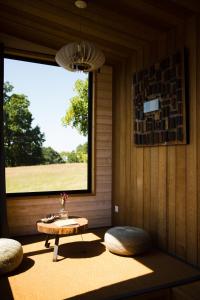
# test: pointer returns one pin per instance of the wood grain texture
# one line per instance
(24, 213)
(163, 181)
(139, 164)
(198, 142)
(192, 149)
(51, 228)
(157, 188)
(171, 171)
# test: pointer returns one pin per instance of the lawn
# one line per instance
(46, 178)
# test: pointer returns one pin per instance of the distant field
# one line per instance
(46, 178)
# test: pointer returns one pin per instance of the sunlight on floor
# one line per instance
(87, 270)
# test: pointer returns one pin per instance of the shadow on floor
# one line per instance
(31, 239)
(5, 289)
(81, 249)
(165, 272)
(122, 290)
(26, 264)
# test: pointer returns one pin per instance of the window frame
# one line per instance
(90, 134)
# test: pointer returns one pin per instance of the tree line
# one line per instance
(23, 142)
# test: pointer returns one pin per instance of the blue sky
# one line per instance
(49, 89)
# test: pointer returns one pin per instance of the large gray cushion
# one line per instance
(127, 240)
(11, 255)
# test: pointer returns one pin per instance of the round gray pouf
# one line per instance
(127, 240)
(11, 255)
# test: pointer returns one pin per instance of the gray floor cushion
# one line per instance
(11, 255)
(127, 240)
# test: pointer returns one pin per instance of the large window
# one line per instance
(47, 128)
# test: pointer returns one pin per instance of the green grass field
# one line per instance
(46, 178)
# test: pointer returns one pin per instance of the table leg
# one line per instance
(55, 252)
(47, 244)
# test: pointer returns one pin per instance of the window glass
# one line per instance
(45, 128)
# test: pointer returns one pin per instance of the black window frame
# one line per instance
(90, 126)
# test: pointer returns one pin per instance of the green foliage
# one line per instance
(77, 114)
(72, 157)
(23, 143)
(76, 156)
(82, 153)
(50, 156)
(7, 88)
(64, 155)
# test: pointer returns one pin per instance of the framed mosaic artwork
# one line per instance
(161, 102)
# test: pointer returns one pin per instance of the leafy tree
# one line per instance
(64, 155)
(23, 143)
(76, 156)
(51, 156)
(72, 157)
(77, 114)
(81, 152)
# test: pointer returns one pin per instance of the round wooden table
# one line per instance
(57, 231)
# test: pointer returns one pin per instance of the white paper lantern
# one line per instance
(80, 56)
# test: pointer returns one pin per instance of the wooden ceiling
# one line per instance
(118, 27)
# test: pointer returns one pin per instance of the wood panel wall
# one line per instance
(24, 212)
(157, 188)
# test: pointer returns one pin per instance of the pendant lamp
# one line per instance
(81, 55)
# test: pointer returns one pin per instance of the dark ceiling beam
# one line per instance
(144, 11)
(54, 40)
(191, 6)
(172, 7)
(106, 18)
(106, 40)
(118, 26)
(14, 42)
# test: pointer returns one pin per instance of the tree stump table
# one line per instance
(52, 229)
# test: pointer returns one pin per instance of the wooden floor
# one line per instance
(86, 270)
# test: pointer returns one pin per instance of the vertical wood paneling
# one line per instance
(154, 171)
(198, 140)
(126, 141)
(129, 139)
(147, 188)
(180, 179)
(163, 180)
(132, 208)
(122, 148)
(154, 194)
(171, 203)
(139, 164)
(162, 198)
(162, 171)
(191, 149)
(120, 139)
(147, 162)
(180, 190)
(116, 153)
(171, 172)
